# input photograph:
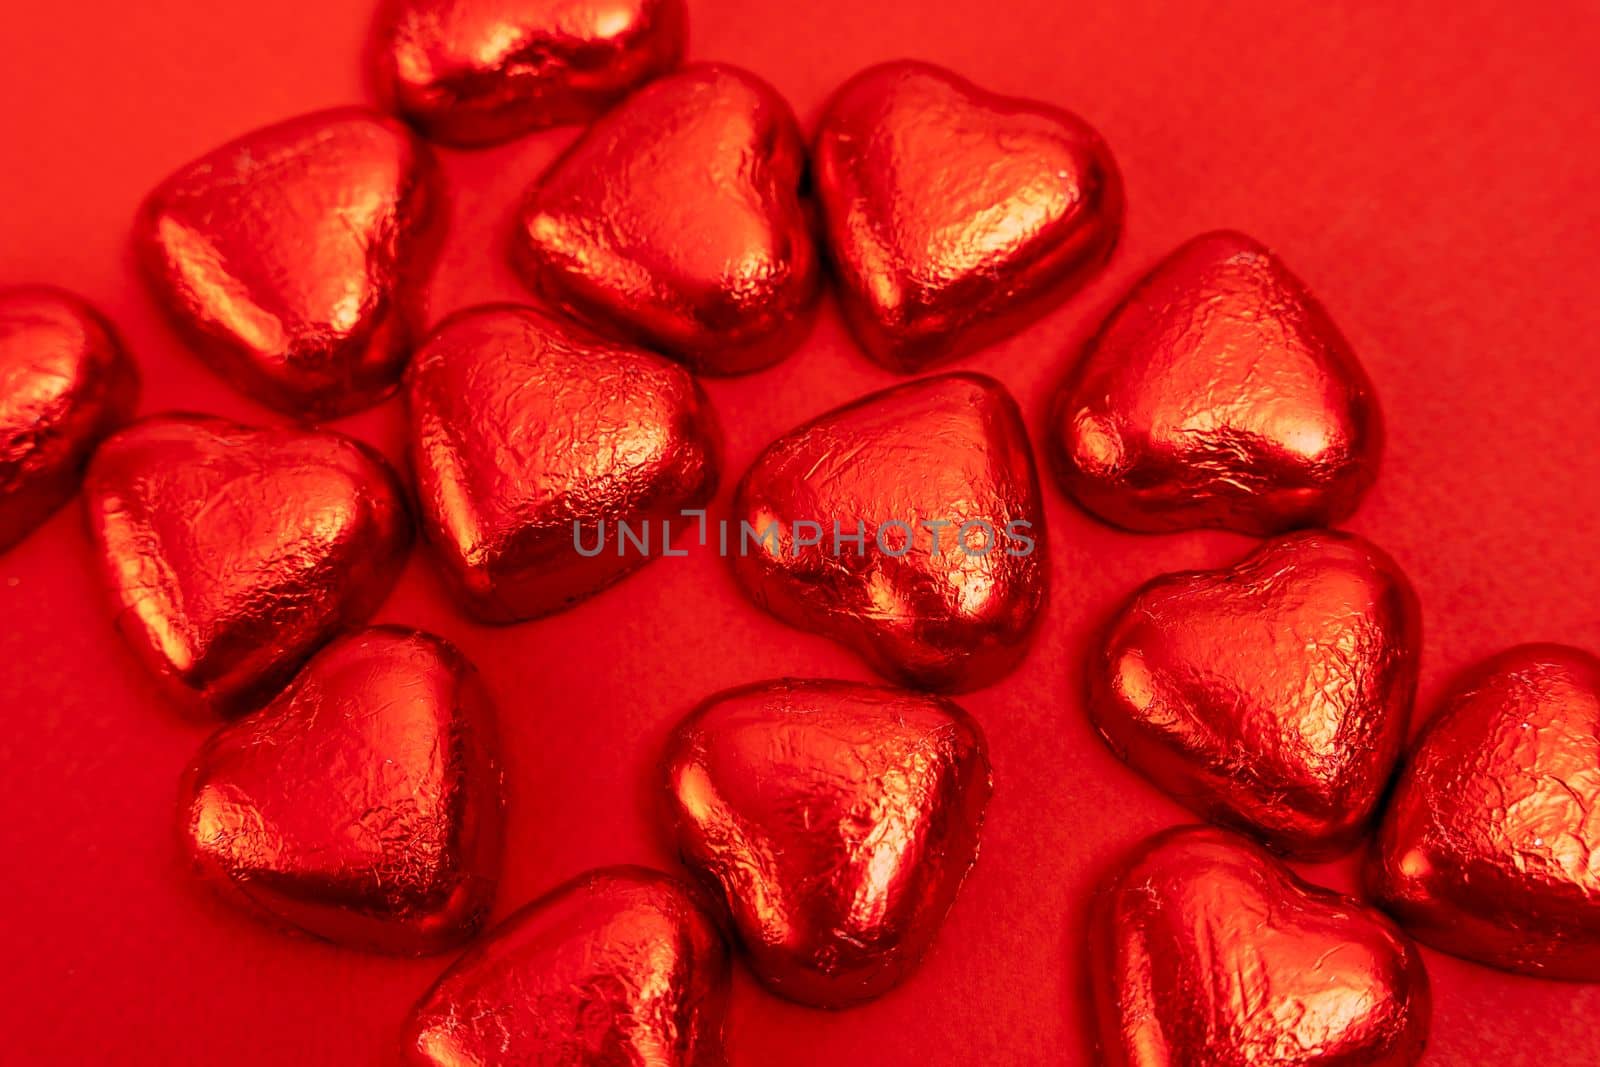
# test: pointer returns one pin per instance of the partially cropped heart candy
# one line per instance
(619, 966)
(1207, 952)
(550, 463)
(953, 215)
(676, 221)
(474, 72)
(292, 259)
(907, 526)
(1273, 695)
(363, 804)
(1488, 847)
(1218, 394)
(65, 383)
(232, 553)
(837, 821)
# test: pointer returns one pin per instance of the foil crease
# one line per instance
(676, 221)
(363, 804)
(835, 820)
(954, 216)
(1207, 952)
(1218, 394)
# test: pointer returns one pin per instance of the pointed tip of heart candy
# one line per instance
(1272, 695)
(230, 553)
(1218, 394)
(362, 805)
(947, 581)
(955, 216)
(68, 384)
(470, 73)
(618, 966)
(1204, 949)
(293, 259)
(836, 821)
(1485, 846)
(676, 221)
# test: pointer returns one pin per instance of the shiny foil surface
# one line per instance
(953, 215)
(521, 427)
(618, 968)
(949, 607)
(476, 72)
(65, 382)
(293, 258)
(1218, 394)
(363, 804)
(231, 553)
(1273, 695)
(1487, 847)
(676, 221)
(1207, 952)
(836, 820)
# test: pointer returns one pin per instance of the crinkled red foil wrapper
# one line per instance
(1461, 283)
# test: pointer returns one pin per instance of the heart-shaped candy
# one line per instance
(1207, 952)
(65, 383)
(676, 221)
(1488, 847)
(363, 804)
(232, 553)
(292, 259)
(475, 72)
(837, 821)
(951, 214)
(1219, 393)
(620, 966)
(534, 442)
(1272, 695)
(907, 526)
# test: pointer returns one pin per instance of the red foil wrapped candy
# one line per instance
(837, 821)
(523, 428)
(619, 966)
(1219, 393)
(292, 259)
(475, 72)
(676, 222)
(952, 214)
(1487, 847)
(1207, 952)
(1272, 695)
(907, 526)
(232, 553)
(363, 804)
(65, 383)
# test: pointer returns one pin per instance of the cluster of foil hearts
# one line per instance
(353, 791)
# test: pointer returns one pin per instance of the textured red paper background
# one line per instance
(1431, 172)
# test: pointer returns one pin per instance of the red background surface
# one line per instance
(1432, 174)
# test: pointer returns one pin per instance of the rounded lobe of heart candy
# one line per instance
(363, 804)
(534, 441)
(1271, 696)
(951, 214)
(231, 553)
(836, 820)
(1485, 847)
(1218, 394)
(618, 966)
(676, 221)
(293, 258)
(1206, 950)
(906, 526)
(477, 72)
(65, 383)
